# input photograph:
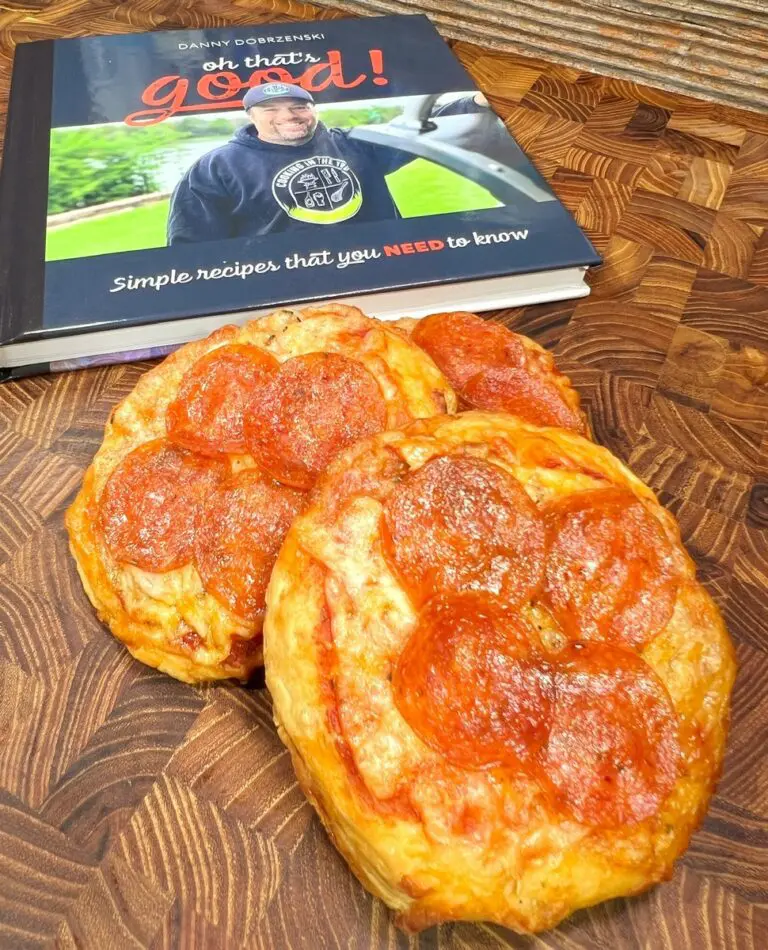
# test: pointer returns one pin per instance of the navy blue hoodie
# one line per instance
(250, 187)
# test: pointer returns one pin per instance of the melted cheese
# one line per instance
(476, 843)
(168, 620)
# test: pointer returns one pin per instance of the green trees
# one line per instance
(92, 165)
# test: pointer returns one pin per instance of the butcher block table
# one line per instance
(136, 811)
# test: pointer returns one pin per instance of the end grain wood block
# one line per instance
(705, 183)
(624, 265)
(758, 271)
(665, 173)
(611, 115)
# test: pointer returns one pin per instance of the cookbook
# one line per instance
(157, 185)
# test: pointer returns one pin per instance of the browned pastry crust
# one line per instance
(521, 378)
(167, 619)
(437, 841)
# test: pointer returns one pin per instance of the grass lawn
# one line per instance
(130, 230)
(422, 188)
(419, 188)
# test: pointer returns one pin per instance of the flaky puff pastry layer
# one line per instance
(154, 614)
(438, 842)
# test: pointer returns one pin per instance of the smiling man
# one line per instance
(285, 170)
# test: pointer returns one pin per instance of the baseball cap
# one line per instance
(274, 90)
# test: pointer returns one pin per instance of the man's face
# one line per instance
(284, 121)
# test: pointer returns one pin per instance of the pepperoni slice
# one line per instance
(246, 653)
(521, 392)
(471, 686)
(611, 572)
(613, 753)
(461, 524)
(207, 413)
(314, 407)
(239, 532)
(463, 344)
(150, 502)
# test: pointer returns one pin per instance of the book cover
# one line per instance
(160, 176)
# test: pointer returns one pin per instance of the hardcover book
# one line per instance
(157, 185)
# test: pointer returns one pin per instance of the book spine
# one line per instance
(24, 191)
(84, 362)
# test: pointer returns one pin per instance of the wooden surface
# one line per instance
(715, 49)
(139, 812)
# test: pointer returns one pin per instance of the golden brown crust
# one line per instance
(545, 363)
(168, 620)
(463, 844)
(537, 362)
(405, 324)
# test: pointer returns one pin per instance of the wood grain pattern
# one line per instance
(715, 49)
(139, 812)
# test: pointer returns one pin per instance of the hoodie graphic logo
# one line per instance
(318, 190)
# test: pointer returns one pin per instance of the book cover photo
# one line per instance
(189, 173)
